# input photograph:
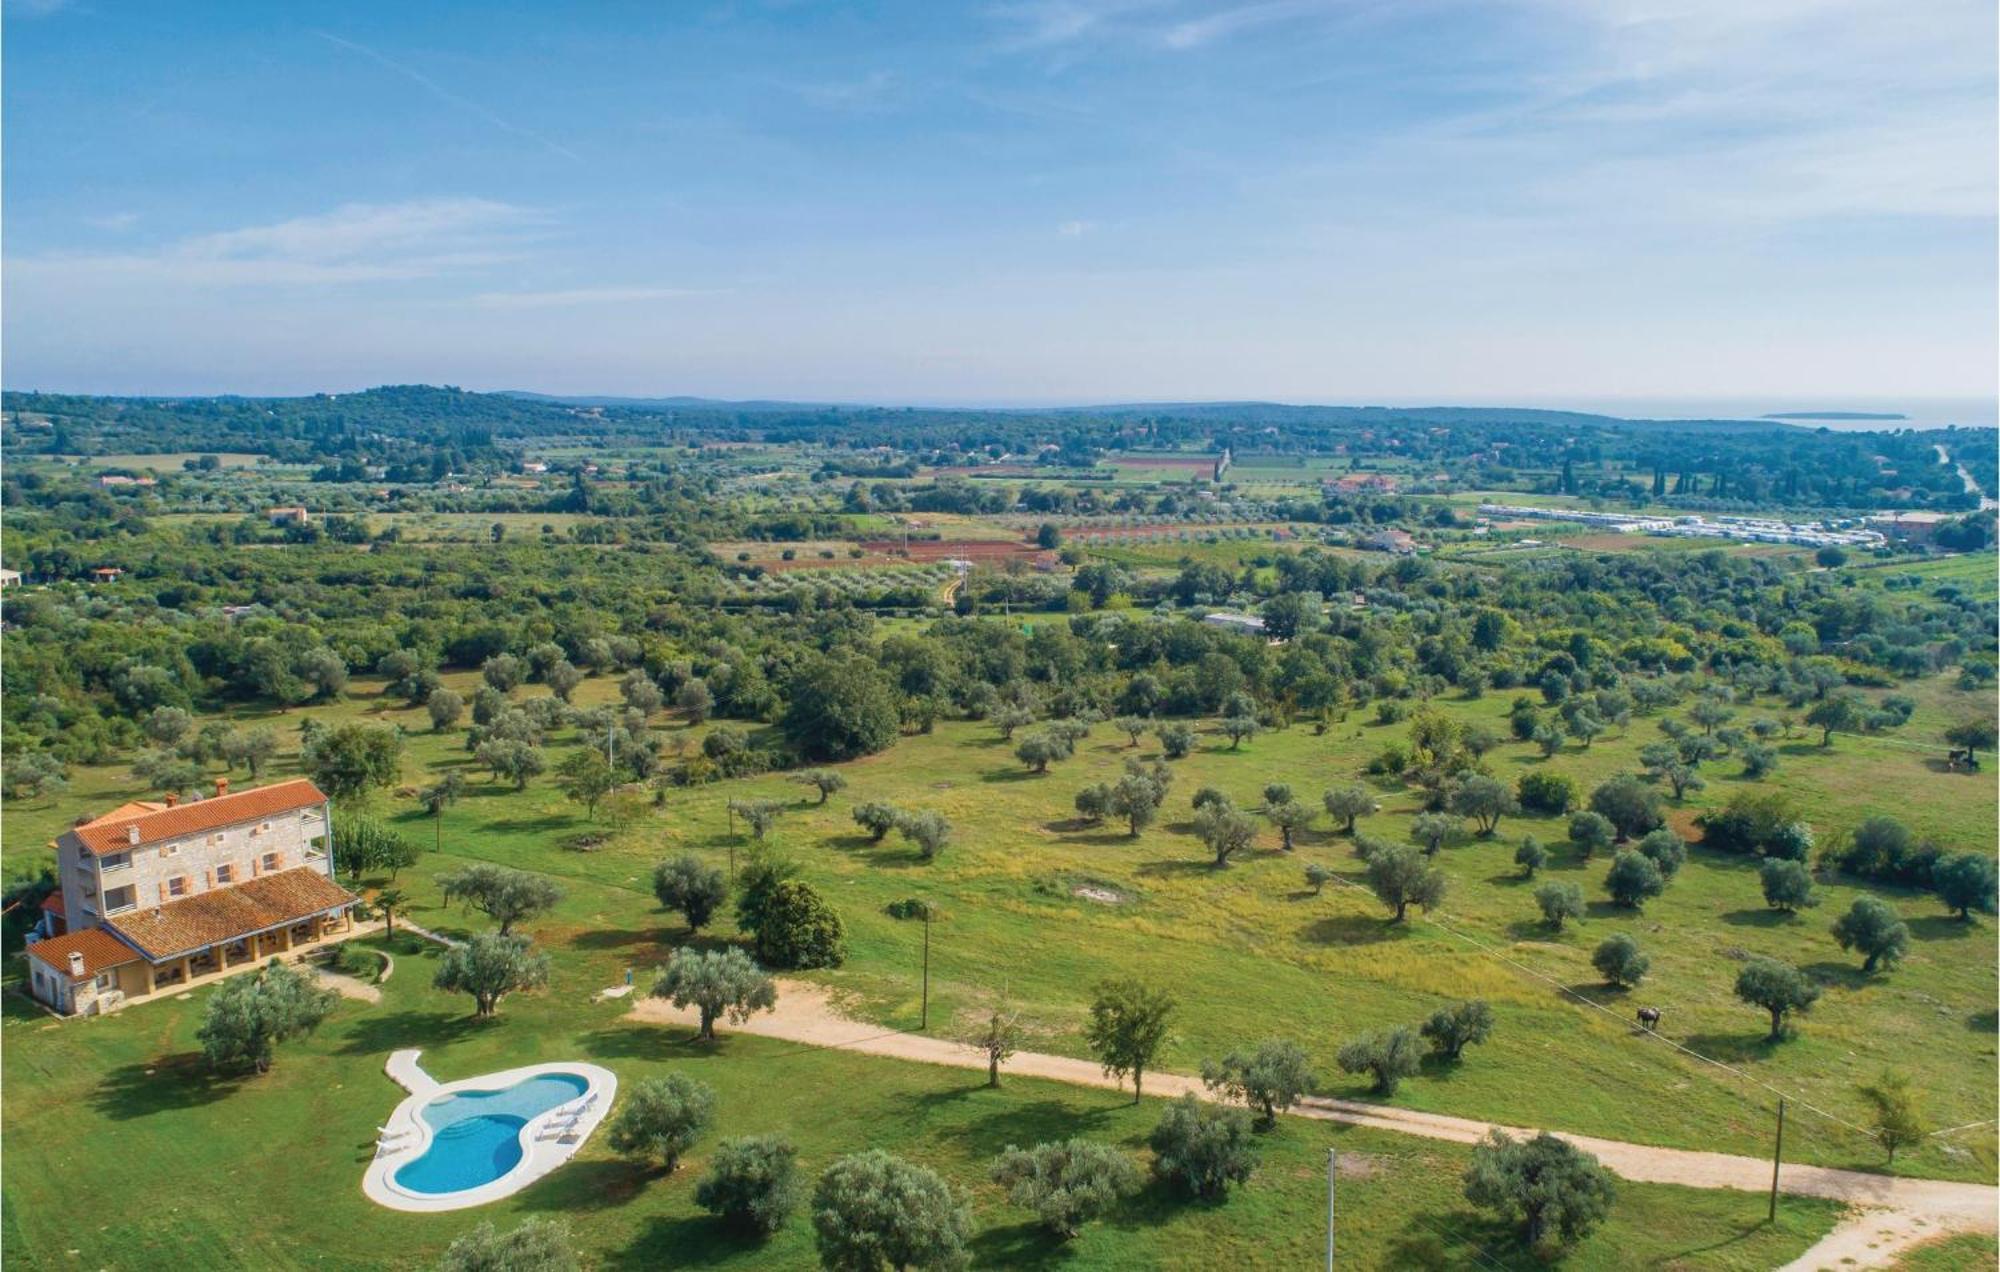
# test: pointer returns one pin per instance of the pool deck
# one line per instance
(547, 1140)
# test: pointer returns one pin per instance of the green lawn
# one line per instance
(265, 1172)
(1253, 953)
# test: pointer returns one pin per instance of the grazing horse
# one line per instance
(1649, 1017)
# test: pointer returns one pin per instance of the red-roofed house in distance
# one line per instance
(156, 896)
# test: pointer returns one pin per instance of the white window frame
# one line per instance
(133, 904)
(180, 881)
(121, 860)
(270, 861)
(225, 872)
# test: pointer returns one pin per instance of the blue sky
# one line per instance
(1502, 200)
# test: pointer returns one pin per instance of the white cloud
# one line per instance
(357, 242)
(576, 296)
(1075, 229)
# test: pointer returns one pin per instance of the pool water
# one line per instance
(476, 1135)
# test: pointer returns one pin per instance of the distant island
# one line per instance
(1832, 415)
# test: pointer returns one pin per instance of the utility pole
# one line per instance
(1331, 1154)
(924, 1027)
(1776, 1153)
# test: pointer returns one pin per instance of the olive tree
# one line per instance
(1557, 1192)
(1778, 988)
(659, 1119)
(1617, 958)
(1966, 882)
(1066, 1184)
(248, 1016)
(714, 982)
(1788, 885)
(1872, 927)
(871, 1209)
(538, 1245)
(1452, 1029)
(693, 890)
(1387, 1055)
(752, 1183)
(1558, 902)
(1224, 830)
(1485, 800)
(1633, 880)
(489, 967)
(1346, 804)
(503, 895)
(1269, 1078)
(1400, 877)
(1202, 1148)
(877, 819)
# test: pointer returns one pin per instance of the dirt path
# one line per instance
(1868, 1239)
(1926, 1207)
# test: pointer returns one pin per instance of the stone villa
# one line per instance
(157, 896)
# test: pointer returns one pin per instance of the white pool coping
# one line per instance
(547, 1140)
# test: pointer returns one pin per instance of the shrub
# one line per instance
(1883, 849)
(1317, 876)
(1066, 1184)
(798, 929)
(1544, 792)
(1202, 1148)
(1618, 959)
(752, 1183)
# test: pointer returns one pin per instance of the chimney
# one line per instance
(173, 798)
(75, 965)
(221, 787)
(131, 834)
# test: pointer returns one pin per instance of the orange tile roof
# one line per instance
(100, 949)
(53, 904)
(111, 833)
(224, 914)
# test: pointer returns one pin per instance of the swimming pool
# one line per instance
(457, 1144)
(476, 1135)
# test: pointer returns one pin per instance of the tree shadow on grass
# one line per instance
(1765, 918)
(1538, 930)
(673, 1041)
(591, 1185)
(1455, 1239)
(690, 1241)
(1019, 1245)
(529, 825)
(1510, 879)
(1610, 996)
(986, 1135)
(1941, 927)
(1733, 1048)
(615, 939)
(1845, 975)
(1011, 775)
(180, 1081)
(1983, 1022)
(1352, 929)
(1172, 866)
(381, 1032)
